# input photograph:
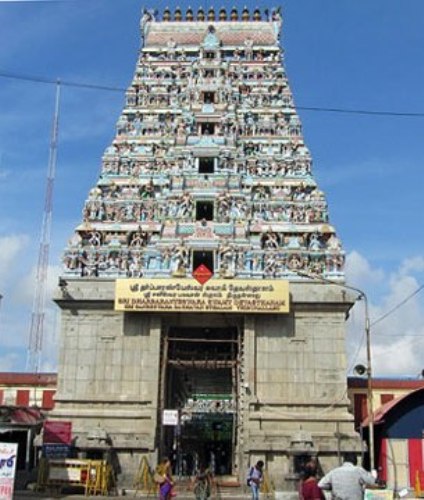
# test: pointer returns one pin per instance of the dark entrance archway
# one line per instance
(200, 380)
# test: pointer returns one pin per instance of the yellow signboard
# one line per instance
(187, 295)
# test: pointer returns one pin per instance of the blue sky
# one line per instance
(339, 53)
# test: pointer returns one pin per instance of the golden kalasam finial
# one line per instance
(178, 16)
(257, 15)
(234, 14)
(223, 14)
(189, 14)
(211, 14)
(166, 14)
(245, 15)
(200, 14)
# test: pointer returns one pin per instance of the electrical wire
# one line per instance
(404, 301)
(410, 338)
(319, 109)
(93, 86)
(361, 111)
(358, 350)
(66, 83)
(381, 318)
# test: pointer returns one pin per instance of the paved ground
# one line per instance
(23, 495)
(28, 495)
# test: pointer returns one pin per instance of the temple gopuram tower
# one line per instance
(195, 321)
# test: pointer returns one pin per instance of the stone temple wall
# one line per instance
(292, 395)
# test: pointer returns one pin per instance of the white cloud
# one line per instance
(23, 294)
(397, 340)
(399, 357)
(17, 282)
(24, 290)
(412, 264)
(10, 248)
(359, 270)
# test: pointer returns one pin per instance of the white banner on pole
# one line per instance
(170, 417)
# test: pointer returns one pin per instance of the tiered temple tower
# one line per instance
(208, 177)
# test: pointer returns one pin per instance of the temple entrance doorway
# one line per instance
(200, 379)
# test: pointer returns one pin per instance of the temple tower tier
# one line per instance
(197, 315)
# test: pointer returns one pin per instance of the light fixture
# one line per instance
(360, 369)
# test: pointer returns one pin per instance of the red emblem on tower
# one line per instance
(202, 274)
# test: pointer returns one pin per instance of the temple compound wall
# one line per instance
(202, 296)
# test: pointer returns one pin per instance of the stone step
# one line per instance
(223, 487)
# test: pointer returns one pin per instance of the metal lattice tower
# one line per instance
(35, 343)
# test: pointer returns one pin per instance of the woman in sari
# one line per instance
(163, 477)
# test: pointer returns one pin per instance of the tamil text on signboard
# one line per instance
(217, 295)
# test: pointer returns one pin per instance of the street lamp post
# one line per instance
(362, 296)
(369, 384)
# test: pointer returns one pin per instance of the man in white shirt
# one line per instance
(347, 481)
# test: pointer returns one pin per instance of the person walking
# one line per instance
(348, 481)
(163, 478)
(255, 478)
(202, 483)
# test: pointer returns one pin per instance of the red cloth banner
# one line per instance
(57, 432)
